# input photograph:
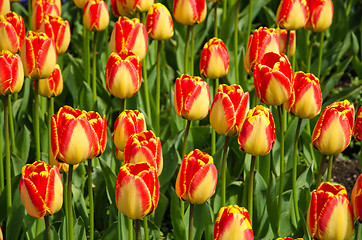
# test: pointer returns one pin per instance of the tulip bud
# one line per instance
(292, 14)
(358, 126)
(144, 147)
(282, 33)
(11, 73)
(329, 214)
(289, 238)
(257, 136)
(320, 15)
(197, 177)
(95, 15)
(118, 9)
(40, 10)
(214, 62)
(63, 167)
(80, 3)
(229, 109)
(272, 79)
(127, 123)
(189, 12)
(41, 189)
(58, 29)
(38, 55)
(123, 74)
(129, 34)
(332, 133)
(356, 199)
(159, 22)
(4, 7)
(137, 190)
(233, 222)
(191, 98)
(53, 85)
(306, 97)
(260, 42)
(12, 32)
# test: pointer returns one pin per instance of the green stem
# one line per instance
(158, 89)
(91, 202)
(282, 163)
(65, 203)
(186, 49)
(138, 229)
(330, 163)
(224, 13)
(287, 44)
(119, 225)
(250, 188)
(320, 54)
(69, 203)
(321, 170)
(145, 88)
(94, 76)
(215, 20)
(191, 221)
(7, 150)
(187, 130)
(2, 177)
(236, 41)
(310, 37)
(192, 51)
(37, 227)
(50, 113)
(29, 10)
(47, 227)
(145, 225)
(311, 149)
(360, 30)
(250, 17)
(36, 121)
(11, 122)
(130, 229)
(86, 56)
(356, 226)
(223, 171)
(295, 166)
(215, 83)
(123, 105)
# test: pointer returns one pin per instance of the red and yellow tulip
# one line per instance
(137, 190)
(333, 131)
(214, 62)
(257, 136)
(53, 85)
(292, 14)
(197, 177)
(40, 10)
(191, 98)
(289, 238)
(11, 73)
(356, 199)
(159, 22)
(41, 189)
(320, 15)
(95, 15)
(4, 7)
(357, 132)
(189, 12)
(131, 7)
(330, 214)
(306, 97)
(12, 32)
(282, 33)
(229, 109)
(80, 3)
(233, 222)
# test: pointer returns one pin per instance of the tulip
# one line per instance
(189, 12)
(159, 22)
(39, 55)
(129, 34)
(233, 222)
(356, 199)
(332, 133)
(95, 15)
(260, 42)
(282, 33)
(123, 74)
(1, 234)
(137, 190)
(191, 98)
(41, 189)
(4, 7)
(289, 238)
(58, 29)
(214, 62)
(144, 147)
(197, 177)
(118, 9)
(11, 73)
(53, 85)
(358, 126)
(40, 10)
(320, 15)
(272, 79)
(229, 109)
(306, 97)
(77, 135)
(12, 32)
(292, 14)
(34, 2)
(131, 7)
(257, 135)
(80, 3)
(63, 167)
(330, 214)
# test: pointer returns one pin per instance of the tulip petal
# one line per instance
(31, 199)
(54, 191)
(203, 184)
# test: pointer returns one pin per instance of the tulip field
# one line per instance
(180, 119)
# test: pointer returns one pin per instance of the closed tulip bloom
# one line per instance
(229, 109)
(356, 199)
(1, 234)
(39, 55)
(214, 62)
(137, 190)
(53, 85)
(123, 74)
(282, 33)
(329, 215)
(232, 223)
(131, 7)
(320, 15)
(289, 238)
(357, 133)
(159, 22)
(189, 12)
(95, 15)
(260, 42)
(118, 9)
(144, 147)
(4, 7)
(80, 3)
(56, 2)
(129, 34)
(197, 177)
(41, 189)
(11, 73)
(257, 136)
(40, 10)
(12, 32)
(332, 133)
(63, 167)
(306, 97)
(127, 123)
(191, 98)
(58, 29)
(292, 14)
(99, 127)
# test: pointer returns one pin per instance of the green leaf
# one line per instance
(79, 230)
(171, 160)
(23, 144)
(176, 218)
(272, 204)
(15, 217)
(161, 209)
(110, 179)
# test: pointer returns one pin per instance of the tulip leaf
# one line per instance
(111, 232)
(272, 204)
(79, 204)
(15, 217)
(79, 230)
(171, 160)
(23, 145)
(86, 97)
(160, 211)
(176, 218)
(110, 179)
(200, 222)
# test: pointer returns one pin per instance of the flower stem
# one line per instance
(310, 37)
(224, 13)
(145, 88)
(251, 188)
(145, 225)
(330, 163)
(94, 76)
(282, 163)
(186, 49)
(7, 150)
(69, 203)
(138, 229)
(158, 89)
(86, 55)
(295, 165)
(250, 17)
(11, 122)
(2, 177)
(47, 227)
(223, 171)
(91, 202)
(215, 20)
(119, 225)
(236, 41)
(321, 170)
(287, 44)
(130, 229)
(215, 83)
(320, 54)
(184, 148)
(192, 50)
(36, 121)
(191, 221)
(50, 113)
